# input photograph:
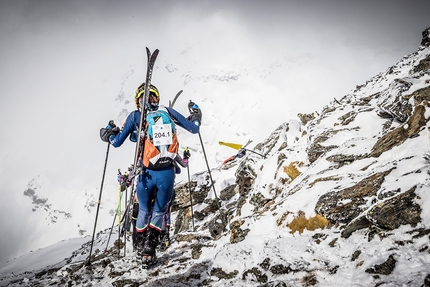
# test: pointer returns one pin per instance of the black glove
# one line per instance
(111, 129)
(187, 154)
(195, 113)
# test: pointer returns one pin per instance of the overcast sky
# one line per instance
(63, 63)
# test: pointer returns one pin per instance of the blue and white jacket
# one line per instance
(131, 126)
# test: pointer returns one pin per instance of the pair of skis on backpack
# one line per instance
(150, 261)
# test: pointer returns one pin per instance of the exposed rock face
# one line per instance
(267, 146)
(389, 214)
(305, 118)
(228, 192)
(237, 233)
(258, 200)
(421, 95)
(407, 130)
(345, 205)
(426, 37)
(182, 222)
(245, 176)
(342, 159)
(218, 224)
(183, 193)
(385, 268)
(423, 66)
(316, 149)
(392, 101)
(397, 211)
(212, 205)
(221, 274)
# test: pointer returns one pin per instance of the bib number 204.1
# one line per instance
(162, 134)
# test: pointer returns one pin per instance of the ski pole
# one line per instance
(263, 156)
(191, 198)
(119, 220)
(118, 209)
(98, 204)
(207, 164)
(119, 223)
(113, 222)
(111, 228)
(110, 233)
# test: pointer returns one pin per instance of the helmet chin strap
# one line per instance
(152, 105)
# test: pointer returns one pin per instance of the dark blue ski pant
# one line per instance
(157, 186)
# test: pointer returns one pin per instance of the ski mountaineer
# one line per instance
(149, 224)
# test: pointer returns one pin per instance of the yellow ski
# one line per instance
(232, 145)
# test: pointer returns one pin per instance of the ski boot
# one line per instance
(164, 240)
(138, 244)
(148, 261)
(148, 253)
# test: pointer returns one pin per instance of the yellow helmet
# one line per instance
(141, 90)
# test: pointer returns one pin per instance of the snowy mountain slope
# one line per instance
(56, 212)
(227, 97)
(340, 200)
(46, 202)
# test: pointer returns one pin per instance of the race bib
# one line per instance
(162, 134)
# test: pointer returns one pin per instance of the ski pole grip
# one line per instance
(112, 124)
(193, 107)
